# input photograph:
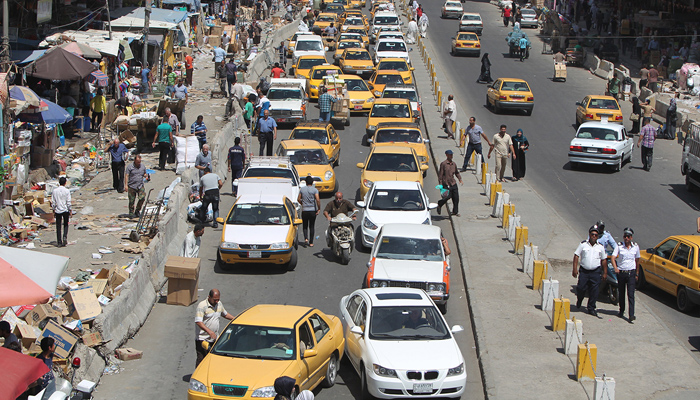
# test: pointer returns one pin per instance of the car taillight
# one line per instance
(502, 97)
(589, 116)
(458, 45)
(609, 151)
(531, 98)
(618, 118)
(477, 45)
(575, 148)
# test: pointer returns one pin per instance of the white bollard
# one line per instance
(457, 130)
(550, 291)
(531, 254)
(498, 205)
(477, 160)
(514, 223)
(604, 388)
(487, 184)
(573, 336)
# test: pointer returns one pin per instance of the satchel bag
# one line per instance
(634, 117)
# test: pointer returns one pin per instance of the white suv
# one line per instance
(384, 20)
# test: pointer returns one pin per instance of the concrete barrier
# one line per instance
(591, 62)
(605, 69)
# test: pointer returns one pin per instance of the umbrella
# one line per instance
(19, 371)
(81, 49)
(23, 93)
(28, 277)
(58, 64)
(99, 76)
(54, 114)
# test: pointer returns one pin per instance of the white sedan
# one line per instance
(601, 143)
(452, 9)
(529, 18)
(391, 48)
(400, 344)
(392, 202)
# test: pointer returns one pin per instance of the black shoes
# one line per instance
(439, 209)
(593, 313)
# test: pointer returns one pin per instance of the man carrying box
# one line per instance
(206, 322)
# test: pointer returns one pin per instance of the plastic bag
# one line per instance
(193, 212)
(444, 193)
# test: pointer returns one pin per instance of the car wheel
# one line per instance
(363, 383)
(689, 186)
(222, 264)
(488, 106)
(292, 261)
(496, 107)
(528, 112)
(618, 166)
(442, 308)
(331, 371)
(641, 281)
(337, 159)
(682, 300)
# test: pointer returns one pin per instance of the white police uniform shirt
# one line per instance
(590, 257)
(626, 258)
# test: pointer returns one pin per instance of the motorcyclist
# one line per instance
(335, 207)
(605, 238)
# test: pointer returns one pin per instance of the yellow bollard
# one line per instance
(484, 171)
(461, 139)
(471, 160)
(495, 188)
(439, 97)
(539, 272)
(508, 210)
(562, 307)
(586, 359)
(520, 239)
(454, 126)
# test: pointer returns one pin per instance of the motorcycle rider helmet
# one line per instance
(601, 226)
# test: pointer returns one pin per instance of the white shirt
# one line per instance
(209, 315)
(191, 246)
(412, 27)
(451, 107)
(590, 257)
(60, 200)
(626, 257)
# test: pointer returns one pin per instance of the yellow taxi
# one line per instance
(335, 8)
(377, 5)
(265, 342)
(388, 110)
(381, 78)
(510, 94)
(310, 159)
(466, 43)
(350, 36)
(324, 20)
(353, 22)
(361, 98)
(321, 132)
(316, 78)
(390, 163)
(354, 13)
(360, 31)
(292, 42)
(672, 266)
(355, 4)
(595, 108)
(356, 61)
(302, 69)
(397, 64)
(346, 44)
(405, 134)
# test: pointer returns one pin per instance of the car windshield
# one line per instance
(284, 94)
(596, 133)
(395, 65)
(391, 46)
(258, 214)
(326, 18)
(400, 94)
(407, 323)
(528, 13)
(515, 86)
(390, 111)
(392, 162)
(356, 85)
(309, 63)
(358, 31)
(357, 55)
(397, 135)
(453, 4)
(388, 79)
(350, 44)
(336, 8)
(468, 36)
(397, 200)
(350, 36)
(390, 36)
(354, 21)
(468, 17)
(318, 135)
(307, 156)
(320, 73)
(386, 20)
(604, 104)
(309, 45)
(404, 248)
(259, 342)
(270, 173)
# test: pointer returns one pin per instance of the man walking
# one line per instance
(200, 130)
(170, 78)
(231, 79)
(236, 162)
(219, 56)
(206, 320)
(164, 139)
(135, 174)
(189, 69)
(282, 50)
(209, 185)
(116, 150)
(60, 201)
(627, 270)
(503, 144)
(589, 260)
(474, 134)
(449, 113)
(171, 119)
(267, 132)
(193, 241)
(325, 105)
(203, 160)
(181, 94)
(446, 177)
(248, 110)
(647, 136)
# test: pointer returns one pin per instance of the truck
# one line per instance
(690, 162)
(288, 100)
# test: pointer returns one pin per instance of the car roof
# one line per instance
(357, 50)
(596, 96)
(326, 14)
(309, 37)
(392, 59)
(597, 124)
(348, 76)
(694, 239)
(385, 13)
(406, 88)
(276, 315)
(396, 185)
(312, 56)
(294, 144)
(390, 124)
(471, 13)
(260, 198)
(512, 80)
(388, 72)
(312, 124)
(386, 100)
(325, 66)
(395, 296)
(393, 149)
(391, 39)
(418, 231)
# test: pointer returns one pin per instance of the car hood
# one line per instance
(595, 143)
(392, 176)
(392, 54)
(381, 217)
(240, 371)
(286, 104)
(470, 22)
(401, 354)
(408, 270)
(451, 8)
(299, 53)
(256, 234)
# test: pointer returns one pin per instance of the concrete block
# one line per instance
(562, 308)
(604, 388)
(508, 212)
(513, 223)
(501, 199)
(521, 234)
(539, 272)
(477, 164)
(530, 254)
(550, 291)
(573, 335)
(494, 188)
(586, 360)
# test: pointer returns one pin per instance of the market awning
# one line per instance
(97, 39)
(19, 371)
(28, 277)
(21, 57)
(54, 114)
(60, 64)
(81, 49)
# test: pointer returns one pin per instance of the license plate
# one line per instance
(255, 254)
(517, 97)
(422, 388)
(358, 107)
(590, 150)
(281, 119)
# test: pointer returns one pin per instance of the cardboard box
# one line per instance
(92, 338)
(127, 138)
(22, 311)
(10, 316)
(98, 286)
(26, 334)
(40, 313)
(128, 353)
(214, 40)
(183, 279)
(117, 276)
(20, 233)
(64, 339)
(82, 303)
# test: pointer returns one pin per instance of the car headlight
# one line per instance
(314, 87)
(427, 221)
(328, 175)
(267, 391)
(368, 184)
(279, 245)
(367, 223)
(381, 371)
(422, 159)
(370, 100)
(229, 245)
(197, 386)
(374, 283)
(458, 370)
(299, 76)
(377, 93)
(372, 127)
(436, 287)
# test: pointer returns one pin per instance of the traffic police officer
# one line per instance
(589, 257)
(625, 260)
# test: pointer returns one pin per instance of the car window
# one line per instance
(248, 341)
(666, 248)
(326, 18)
(290, 207)
(390, 111)
(597, 133)
(386, 20)
(357, 55)
(407, 323)
(410, 95)
(400, 66)
(404, 248)
(356, 85)
(308, 63)
(308, 156)
(388, 79)
(391, 46)
(305, 338)
(320, 327)
(603, 104)
(271, 173)
(258, 214)
(349, 44)
(284, 94)
(361, 317)
(397, 135)
(309, 45)
(397, 200)
(468, 36)
(497, 84)
(311, 134)
(516, 86)
(467, 17)
(320, 73)
(391, 162)
(682, 256)
(353, 305)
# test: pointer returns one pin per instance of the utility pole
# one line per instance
(5, 51)
(146, 27)
(109, 19)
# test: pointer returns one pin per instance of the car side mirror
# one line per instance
(412, 69)
(357, 330)
(205, 345)
(326, 48)
(310, 353)
(334, 142)
(651, 250)
(578, 103)
(457, 329)
(424, 167)
(220, 220)
(360, 204)
(360, 165)
(298, 221)
(432, 206)
(426, 140)
(370, 140)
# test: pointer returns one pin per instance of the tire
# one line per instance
(488, 106)
(641, 282)
(618, 166)
(337, 185)
(682, 301)
(442, 308)
(337, 159)
(364, 391)
(612, 294)
(222, 264)
(689, 186)
(345, 256)
(292, 261)
(528, 112)
(331, 371)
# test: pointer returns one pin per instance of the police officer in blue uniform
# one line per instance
(589, 266)
(236, 162)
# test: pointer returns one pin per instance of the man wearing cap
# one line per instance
(446, 177)
(625, 260)
(589, 263)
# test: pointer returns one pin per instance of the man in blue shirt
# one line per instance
(523, 48)
(146, 79)
(605, 239)
(267, 132)
(236, 162)
(325, 102)
(200, 130)
(180, 93)
(117, 149)
(219, 56)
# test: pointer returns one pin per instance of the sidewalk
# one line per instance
(519, 354)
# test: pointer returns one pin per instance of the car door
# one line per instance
(352, 340)
(325, 342)
(334, 140)
(581, 109)
(628, 143)
(311, 366)
(492, 92)
(659, 263)
(679, 271)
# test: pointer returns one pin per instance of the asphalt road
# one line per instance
(655, 204)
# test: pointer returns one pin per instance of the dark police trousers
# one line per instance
(588, 280)
(211, 196)
(626, 281)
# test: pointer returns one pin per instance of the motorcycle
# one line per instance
(342, 237)
(609, 285)
(61, 389)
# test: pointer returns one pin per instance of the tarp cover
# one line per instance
(60, 64)
(29, 277)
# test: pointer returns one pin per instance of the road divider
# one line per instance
(530, 253)
(562, 309)
(573, 336)
(586, 359)
(550, 291)
(539, 272)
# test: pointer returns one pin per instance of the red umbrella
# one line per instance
(28, 277)
(18, 371)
